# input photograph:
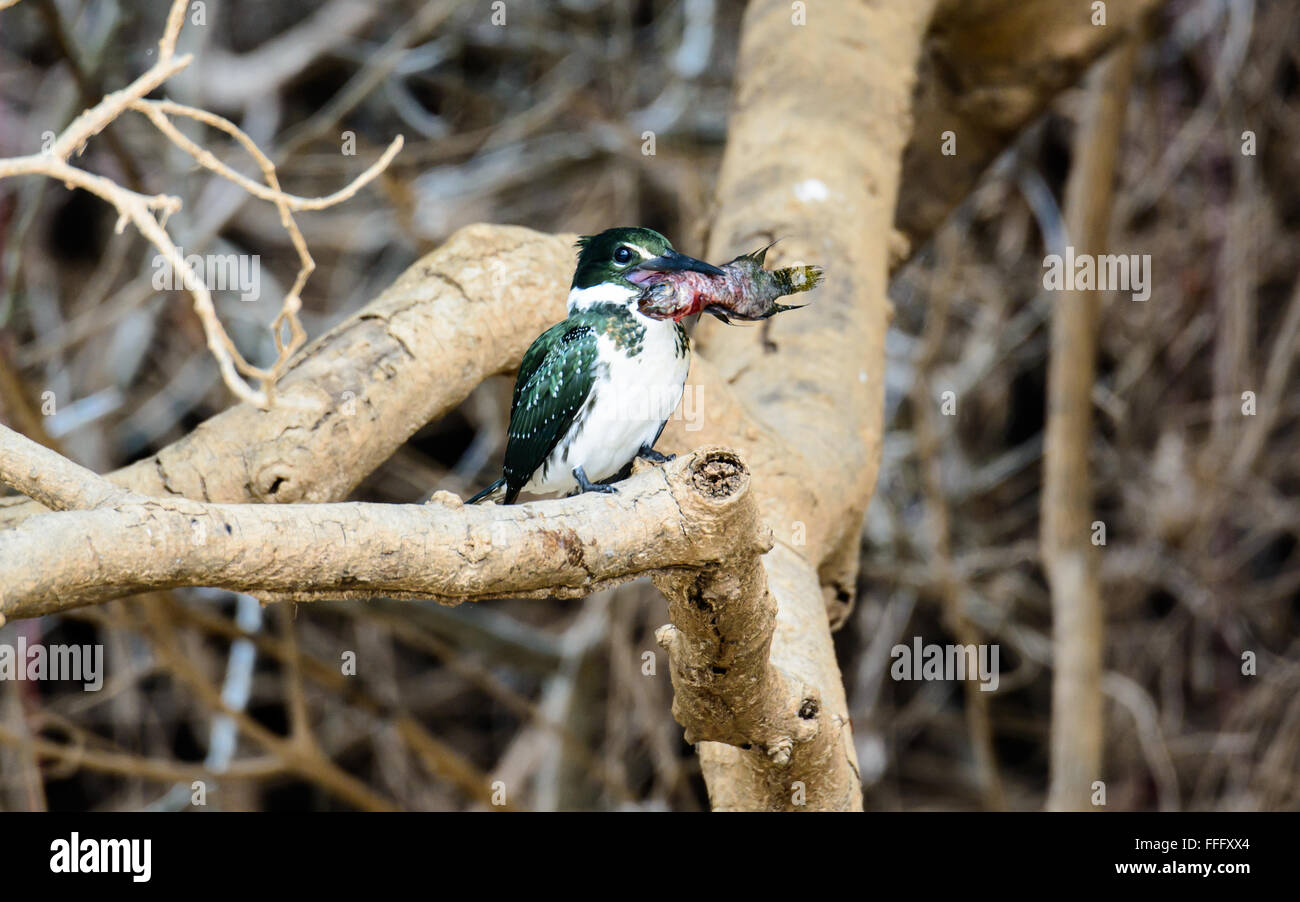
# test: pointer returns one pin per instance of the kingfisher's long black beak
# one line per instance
(672, 261)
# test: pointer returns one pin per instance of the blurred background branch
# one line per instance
(1069, 534)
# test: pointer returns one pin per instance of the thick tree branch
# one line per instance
(719, 642)
(691, 512)
(354, 395)
(58, 483)
(813, 156)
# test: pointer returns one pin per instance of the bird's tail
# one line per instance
(495, 489)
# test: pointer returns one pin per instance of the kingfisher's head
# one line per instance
(613, 264)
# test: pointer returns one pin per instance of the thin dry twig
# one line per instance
(139, 209)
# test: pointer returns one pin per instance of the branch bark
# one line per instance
(813, 156)
(692, 523)
(726, 688)
(354, 395)
(692, 512)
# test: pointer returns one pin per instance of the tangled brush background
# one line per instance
(543, 124)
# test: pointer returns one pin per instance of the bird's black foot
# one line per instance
(586, 485)
(654, 456)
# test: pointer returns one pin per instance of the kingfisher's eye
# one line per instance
(623, 255)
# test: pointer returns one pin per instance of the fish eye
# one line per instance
(623, 255)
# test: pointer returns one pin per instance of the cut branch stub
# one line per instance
(725, 687)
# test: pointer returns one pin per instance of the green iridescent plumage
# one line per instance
(590, 390)
(555, 382)
(597, 265)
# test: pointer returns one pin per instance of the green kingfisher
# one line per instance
(594, 391)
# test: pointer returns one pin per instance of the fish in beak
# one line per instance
(744, 291)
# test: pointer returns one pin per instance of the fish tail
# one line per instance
(794, 279)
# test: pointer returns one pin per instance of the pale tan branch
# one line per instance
(353, 396)
(812, 156)
(443, 551)
(138, 209)
(725, 686)
(49, 477)
(97, 118)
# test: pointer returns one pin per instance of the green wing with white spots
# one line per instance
(534, 356)
(554, 382)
